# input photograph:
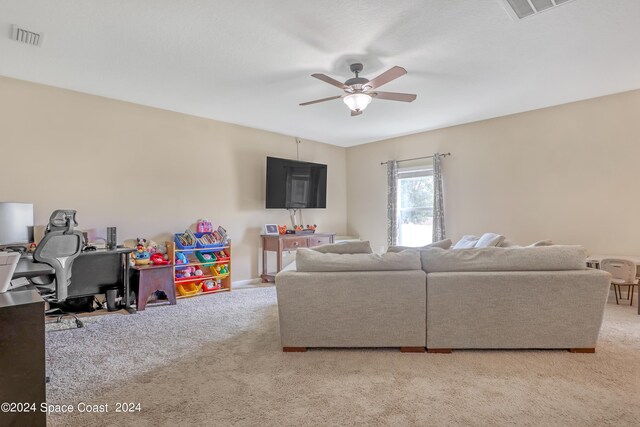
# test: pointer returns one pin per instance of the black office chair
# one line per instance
(59, 248)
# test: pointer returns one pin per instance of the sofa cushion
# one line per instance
(467, 241)
(351, 247)
(489, 239)
(509, 244)
(444, 244)
(549, 258)
(310, 260)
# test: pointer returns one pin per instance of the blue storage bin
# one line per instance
(179, 244)
(200, 245)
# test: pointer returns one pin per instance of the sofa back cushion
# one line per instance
(549, 258)
(310, 260)
(444, 244)
(353, 247)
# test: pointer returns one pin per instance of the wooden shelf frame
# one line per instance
(224, 280)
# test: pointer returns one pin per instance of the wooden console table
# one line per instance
(288, 242)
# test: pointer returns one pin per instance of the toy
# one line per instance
(282, 229)
(221, 269)
(141, 257)
(162, 249)
(185, 272)
(158, 259)
(188, 272)
(222, 254)
(198, 272)
(32, 248)
(152, 247)
(204, 226)
(312, 227)
(181, 258)
(141, 242)
(298, 228)
(210, 285)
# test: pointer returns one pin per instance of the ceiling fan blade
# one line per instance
(321, 100)
(329, 80)
(394, 96)
(355, 113)
(389, 75)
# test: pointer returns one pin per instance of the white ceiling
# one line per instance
(249, 62)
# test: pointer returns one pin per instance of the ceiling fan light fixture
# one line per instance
(357, 101)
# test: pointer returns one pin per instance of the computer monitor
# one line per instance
(16, 223)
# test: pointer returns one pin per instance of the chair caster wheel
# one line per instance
(79, 323)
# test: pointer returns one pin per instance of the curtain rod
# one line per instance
(417, 158)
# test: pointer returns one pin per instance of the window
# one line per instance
(415, 206)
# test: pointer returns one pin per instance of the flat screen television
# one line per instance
(16, 223)
(292, 184)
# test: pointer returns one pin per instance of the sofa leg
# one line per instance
(582, 350)
(412, 349)
(294, 349)
(439, 350)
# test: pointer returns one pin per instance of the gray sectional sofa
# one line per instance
(441, 299)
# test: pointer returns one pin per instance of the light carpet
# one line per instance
(216, 361)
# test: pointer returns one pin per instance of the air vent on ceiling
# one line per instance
(524, 8)
(25, 36)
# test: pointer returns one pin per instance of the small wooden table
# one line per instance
(150, 278)
(279, 243)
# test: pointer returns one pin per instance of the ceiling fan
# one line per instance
(360, 91)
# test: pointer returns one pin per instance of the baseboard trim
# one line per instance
(294, 349)
(412, 349)
(582, 350)
(439, 350)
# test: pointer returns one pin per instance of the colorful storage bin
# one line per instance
(206, 262)
(188, 288)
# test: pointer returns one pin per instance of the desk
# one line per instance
(594, 261)
(92, 270)
(27, 268)
(279, 243)
(22, 355)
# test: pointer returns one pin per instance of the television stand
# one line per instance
(288, 242)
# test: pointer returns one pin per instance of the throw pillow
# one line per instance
(444, 244)
(466, 242)
(489, 240)
(351, 247)
(541, 243)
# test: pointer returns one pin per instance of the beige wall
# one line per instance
(568, 173)
(147, 171)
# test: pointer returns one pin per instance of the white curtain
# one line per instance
(438, 200)
(392, 202)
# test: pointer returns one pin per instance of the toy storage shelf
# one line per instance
(194, 262)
